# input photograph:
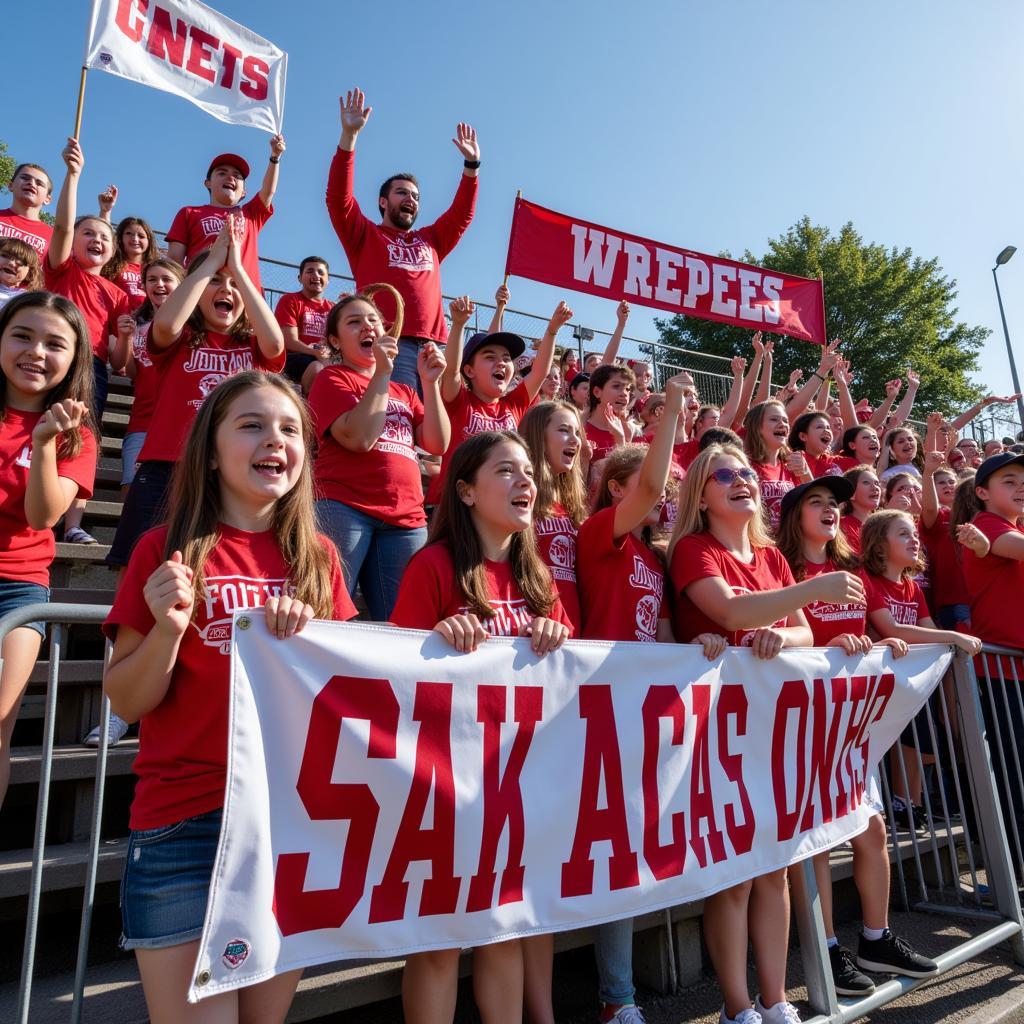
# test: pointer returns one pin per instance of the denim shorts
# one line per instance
(166, 882)
(16, 594)
(130, 448)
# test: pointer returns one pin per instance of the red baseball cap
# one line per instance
(232, 160)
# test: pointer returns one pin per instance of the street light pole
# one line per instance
(1004, 257)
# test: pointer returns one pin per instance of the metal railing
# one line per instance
(962, 867)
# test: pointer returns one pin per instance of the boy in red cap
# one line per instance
(195, 228)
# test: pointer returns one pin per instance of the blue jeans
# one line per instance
(374, 553)
(404, 371)
(613, 951)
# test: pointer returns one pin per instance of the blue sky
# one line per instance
(708, 125)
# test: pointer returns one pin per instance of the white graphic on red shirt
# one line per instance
(508, 617)
(561, 553)
(133, 279)
(772, 493)
(25, 458)
(411, 254)
(649, 606)
(903, 612)
(212, 224)
(215, 365)
(314, 324)
(397, 435)
(8, 230)
(224, 596)
(139, 351)
(478, 422)
(825, 612)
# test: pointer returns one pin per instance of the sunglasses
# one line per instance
(727, 477)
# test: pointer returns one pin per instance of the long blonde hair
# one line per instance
(692, 519)
(193, 526)
(565, 489)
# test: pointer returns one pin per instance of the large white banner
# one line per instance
(386, 795)
(191, 50)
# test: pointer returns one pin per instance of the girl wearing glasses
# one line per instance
(728, 578)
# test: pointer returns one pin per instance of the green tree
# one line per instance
(7, 165)
(892, 310)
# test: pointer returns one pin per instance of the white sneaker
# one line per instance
(780, 1013)
(748, 1016)
(115, 732)
(628, 1014)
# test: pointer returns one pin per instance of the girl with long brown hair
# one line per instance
(766, 427)
(480, 575)
(135, 248)
(865, 499)
(241, 534)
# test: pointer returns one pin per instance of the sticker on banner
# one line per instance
(236, 952)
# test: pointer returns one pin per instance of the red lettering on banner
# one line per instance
(432, 772)
(882, 692)
(600, 755)
(846, 796)
(665, 860)
(732, 702)
(702, 801)
(343, 697)
(231, 56)
(823, 750)
(255, 82)
(165, 41)
(792, 697)
(503, 797)
(201, 52)
(133, 29)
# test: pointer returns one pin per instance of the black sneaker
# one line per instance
(909, 816)
(890, 955)
(845, 976)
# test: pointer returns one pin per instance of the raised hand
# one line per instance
(972, 538)
(61, 416)
(73, 157)
(913, 379)
(738, 365)
(796, 463)
(286, 615)
(794, 378)
(460, 310)
(609, 420)
(465, 141)
(756, 342)
(385, 352)
(892, 387)
(126, 327)
(170, 596)
(106, 200)
(277, 146)
(354, 113)
(430, 363)
(234, 226)
(622, 312)
(502, 297)
(933, 461)
(561, 316)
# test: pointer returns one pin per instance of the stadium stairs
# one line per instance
(113, 991)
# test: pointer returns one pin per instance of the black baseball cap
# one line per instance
(838, 485)
(580, 378)
(994, 462)
(515, 345)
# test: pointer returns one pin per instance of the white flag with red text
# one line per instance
(189, 49)
(386, 795)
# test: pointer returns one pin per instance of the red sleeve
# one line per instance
(348, 220)
(329, 398)
(130, 608)
(286, 312)
(344, 609)
(274, 364)
(82, 467)
(161, 355)
(597, 534)
(414, 402)
(993, 526)
(53, 276)
(873, 593)
(424, 595)
(179, 227)
(257, 212)
(452, 224)
(692, 560)
(518, 401)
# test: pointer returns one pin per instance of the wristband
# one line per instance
(471, 165)
(818, 375)
(275, 159)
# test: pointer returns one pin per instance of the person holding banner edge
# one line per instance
(391, 251)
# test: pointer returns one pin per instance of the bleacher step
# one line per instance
(103, 509)
(81, 553)
(71, 762)
(64, 866)
(71, 672)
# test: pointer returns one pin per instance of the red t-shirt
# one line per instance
(408, 260)
(129, 280)
(385, 481)
(556, 542)
(904, 600)
(470, 415)
(944, 563)
(430, 593)
(827, 620)
(851, 527)
(995, 585)
(197, 228)
(776, 482)
(26, 554)
(699, 556)
(621, 582)
(829, 465)
(100, 301)
(36, 233)
(603, 441)
(183, 741)
(307, 316)
(145, 383)
(187, 376)
(685, 453)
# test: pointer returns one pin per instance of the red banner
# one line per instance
(578, 255)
